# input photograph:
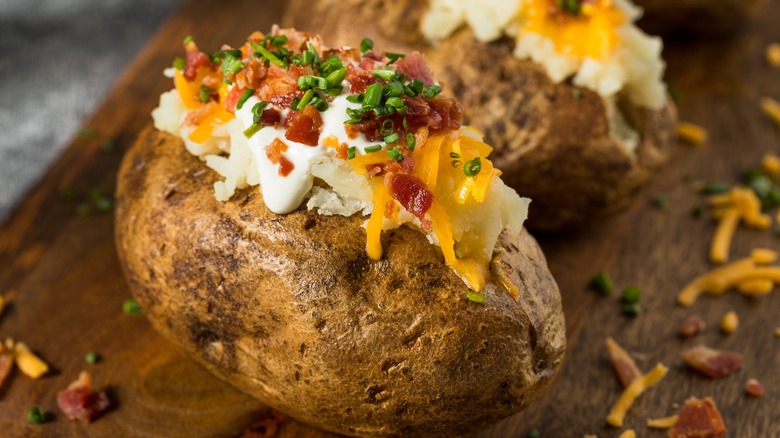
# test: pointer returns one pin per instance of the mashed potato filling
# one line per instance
(447, 189)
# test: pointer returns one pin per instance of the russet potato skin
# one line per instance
(551, 140)
(289, 308)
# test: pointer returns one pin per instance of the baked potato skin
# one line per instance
(291, 310)
(551, 140)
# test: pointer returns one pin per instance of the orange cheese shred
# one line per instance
(632, 392)
(662, 423)
(374, 227)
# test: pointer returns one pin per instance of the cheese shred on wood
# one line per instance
(738, 205)
(628, 433)
(28, 362)
(691, 133)
(751, 276)
(662, 423)
(634, 390)
(772, 108)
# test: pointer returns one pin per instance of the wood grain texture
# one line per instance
(67, 287)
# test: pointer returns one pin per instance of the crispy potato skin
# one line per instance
(290, 310)
(705, 17)
(551, 142)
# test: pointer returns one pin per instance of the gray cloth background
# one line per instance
(58, 58)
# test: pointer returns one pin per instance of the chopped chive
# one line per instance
(278, 40)
(674, 93)
(104, 203)
(336, 78)
(631, 295)
(416, 86)
(395, 102)
(108, 145)
(387, 127)
(351, 151)
(355, 98)
(456, 163)
(252, 130)
(714, 188)
(602, 283)
(307, 82)
(411, 141)
(188, 39)
(393, 57)
(373, 95)
(205, 93)
(395, 154)
(265, 53)
(454, 155)
(257, 111)
(393, 89)
(385, 74)
(355, 115)
(36, 415)
(92, 358)
(244, 97)
(392, 138)
(431, 92)
(366, 44)
(179, 63)
(83, 209)
(87, 133)
(373, 148)
(475, 297)
(661, 203)
(764, 188)
(307, 96)
(534, 433)
(69, 193)
(632, 310)
(131, 307)
(472, 167)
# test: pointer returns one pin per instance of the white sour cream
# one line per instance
(283, 194)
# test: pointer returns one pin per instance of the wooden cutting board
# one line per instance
(60, 269)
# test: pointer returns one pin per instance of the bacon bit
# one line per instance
(6, 362)
(411, 192)
(341, 151)
(280, 86)
(712, 363)
(415, 67)
(77, 402)
(274, 153)
(196, 116)
(360, 79)
(252, 75)
(754, 388)
(698, 419)
(662, 423)
(231, 101)
(391, 210)
(625, 367)
(730, 322)
(304, 126)
(267, 427)
(691, 326)
(270, 117)
(692, 134)
(407, 165)
(195, 59)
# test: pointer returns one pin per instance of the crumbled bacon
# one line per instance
(196, 116)
(270, 117)
(274, 152)
(6, 363)
(78, 402)
(415, 67)
(195, 59)
(691, 326)
(624, 365)
(280, 86)
(391, 210)
(713, 363)
(252, 75)
(407, 165)
(698, 419)
(341, 151)
(359, 79)
(411, 192)
(232, 98)
(303, 126)
(754, 388)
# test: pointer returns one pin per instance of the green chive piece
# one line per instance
(257, 111)
(179, 63)
(36, 415)
(373, 95)
(252, 130)
(351, 151)
(697, 211)
(395, 102)
(431, 92)
(675, 94)
(661, 203)
(244, 97)
(472, 167)
(307, 96)
(265, 53)
(392, 138)
(87, 133)
(131, 307)
(92, 358)
(456, 163)
(632, 310)
(104, 203)
(475, 297)
(187, 39)
(336, 78)
(416, 86)
(385, 74)
(393, 57)
(307, 82)
(602, 283)
(534, 433)
(366, 44)
(205, 93)
(411, 141)
(373, 148)
(714, 188)
(454, 155)
(631, 295)
(108, 145)
(69, 193)
(83, 209)
(764, 188)
(395, 154)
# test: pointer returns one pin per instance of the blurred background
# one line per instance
(59, 58)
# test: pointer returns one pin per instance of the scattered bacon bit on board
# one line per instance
(711, 362)
(266, 427)
(754, 388)
(78, 402)
(691, 326)
(625, 367)
(698, 419)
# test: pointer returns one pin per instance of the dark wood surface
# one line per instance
(61, 270)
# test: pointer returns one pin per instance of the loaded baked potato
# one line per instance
(696, 16)
(566, 138)
(382, 331)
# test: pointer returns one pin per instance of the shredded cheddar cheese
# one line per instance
(691, 133)
(771, 165)
(730, 322)
(738, 205)
(28, 362)
(374, 227)
(743, 274)
(632, 392)
(756, 286)
(772, 108)
(773, 55)
(629, 433)
(662, 423)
